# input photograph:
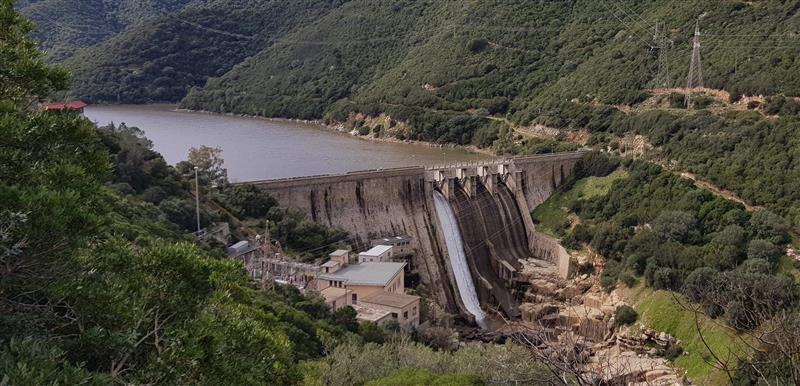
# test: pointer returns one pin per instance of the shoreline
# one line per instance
(339, 128)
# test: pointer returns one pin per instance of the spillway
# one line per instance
(458, 259)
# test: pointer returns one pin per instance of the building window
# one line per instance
(334, 305)
(414, 311)
(394, 315)
(355, 298)
(405, 315)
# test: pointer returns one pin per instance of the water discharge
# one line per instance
(458, 260)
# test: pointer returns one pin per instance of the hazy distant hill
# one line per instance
(159, 60)
(68, 25)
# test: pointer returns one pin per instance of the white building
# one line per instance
(401, 245)
(376, 254)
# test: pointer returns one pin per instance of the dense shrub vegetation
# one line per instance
(675, 236)
(65, 27)
(162, 59)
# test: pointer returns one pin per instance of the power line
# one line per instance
(625, 24)
(619, 6)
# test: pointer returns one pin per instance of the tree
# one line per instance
(769, 226)
(96, 287)
(765, 250)
(675, 225)
(759, 266)
(644, 246)
(625, 315)
(727, 247)
(183, 213)
(35, 362)
(248, 200)
(665, 278)
(696, 285)
(209, 162)
(371, 333)
(346, 317)
(24, 77)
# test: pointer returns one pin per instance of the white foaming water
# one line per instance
(458, 260)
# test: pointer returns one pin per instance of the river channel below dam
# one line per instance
(259, 149)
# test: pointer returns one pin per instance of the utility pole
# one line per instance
(265, 255)
(695, 78)
(662, 79)
(197, 198)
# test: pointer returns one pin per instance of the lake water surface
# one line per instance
(256, 149)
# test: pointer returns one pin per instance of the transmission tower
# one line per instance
(695, 78)
(662, 79)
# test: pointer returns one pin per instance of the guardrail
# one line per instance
(414, 169)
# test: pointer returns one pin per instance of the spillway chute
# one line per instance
(458, 259)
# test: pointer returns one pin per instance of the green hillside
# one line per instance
(161, 59)
(509, 57)
(64, 26)
(512, 58)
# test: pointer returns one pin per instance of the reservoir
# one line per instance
(257, 149)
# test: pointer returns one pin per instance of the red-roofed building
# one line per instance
(70, 105)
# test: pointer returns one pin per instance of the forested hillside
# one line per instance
(506, 57)
(426, 57)
(160, 60)
(64, 26)
(657, 230)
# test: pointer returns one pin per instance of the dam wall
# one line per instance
(543, 174)
(378, 203)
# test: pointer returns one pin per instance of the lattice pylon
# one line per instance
(662, 79)
(695, 78)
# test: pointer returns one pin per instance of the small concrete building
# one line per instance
(376, 254)
(367, 314)
(401, 245)
(404, 308)
(331, 266)
(365, 279)
(340, 255)
(246, 252)
(336, 298)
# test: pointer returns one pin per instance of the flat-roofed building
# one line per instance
(340, 255)
(246, 252)
(376, 254)
(330, 266)
(336, 298)
(365, 279)
(404, 308)
(401, 245)
(366, 314)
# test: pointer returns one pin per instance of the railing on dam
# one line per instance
(468, 164)
(413, 170)
(507, 160)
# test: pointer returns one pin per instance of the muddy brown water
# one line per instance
(257, 149)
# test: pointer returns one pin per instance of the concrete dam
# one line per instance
(482, 208)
